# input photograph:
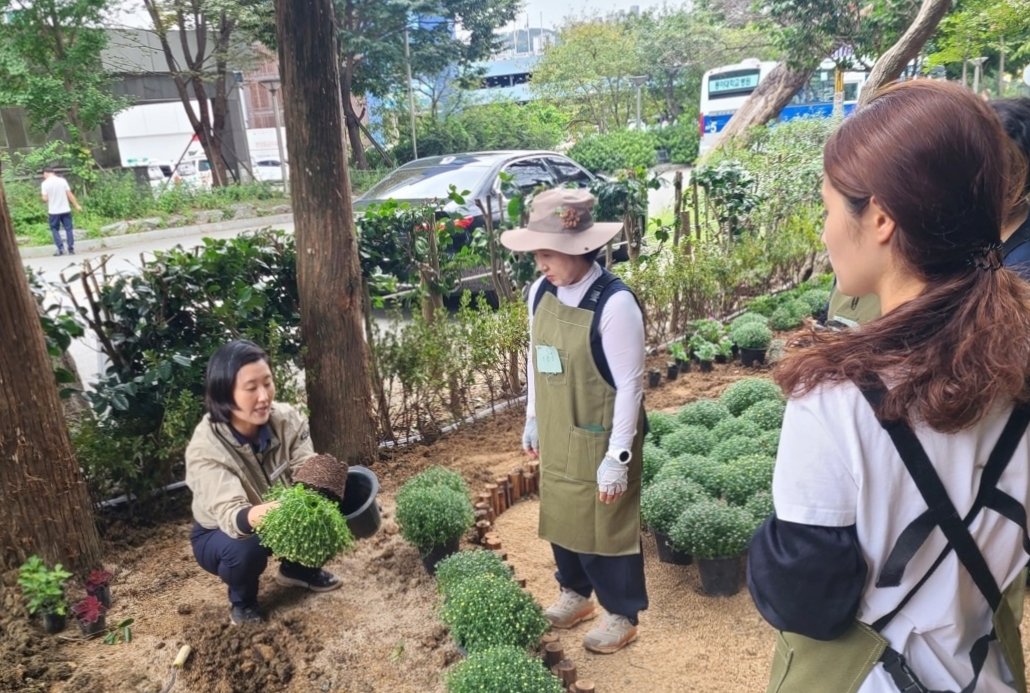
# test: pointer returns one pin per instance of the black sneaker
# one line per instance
(71, 251)
(241, 615)
(313, 579)
(60, 251)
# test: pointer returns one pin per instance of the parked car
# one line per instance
(270, 170)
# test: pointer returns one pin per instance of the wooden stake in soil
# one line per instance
(527, 484)
(534, 467)
(482, 528)
(492, 543)
(486, 504)
(515, 483)
(548, 638)
(567, 672)
(502, 483)
(582, 686)
(492, 490)
(553, 653)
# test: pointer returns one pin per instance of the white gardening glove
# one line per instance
(531, 438)
(612, 478)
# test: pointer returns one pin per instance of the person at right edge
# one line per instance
(585, 417)
(895, 558)
(849, 311)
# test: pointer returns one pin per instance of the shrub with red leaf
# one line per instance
(96, 579)
(88, 610)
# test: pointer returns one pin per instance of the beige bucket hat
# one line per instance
(561, 219)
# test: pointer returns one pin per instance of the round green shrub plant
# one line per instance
(703, 412)
(465, 565)
(306, 528)
(816, 300)
(433, 516)
(688, 440)
(767, 415)
(751, 335)
(745, 476)
(783, 318)
(706, 472)
(436, 476)
(735, 426)
(739, 396)
(660, 425)
(502, 668)
(488, 610)
(712, 529)
(760, 505)
(677, 467)
(654, 458)
(663, 501)
(748, 318)
(769, 443)
(737, 446)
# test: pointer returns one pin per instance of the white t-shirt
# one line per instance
(56, 190)
(622, 338)
(836, 467)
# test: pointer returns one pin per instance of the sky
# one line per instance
(552, 13)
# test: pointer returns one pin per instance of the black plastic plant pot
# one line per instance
(359, 505)
(752, 357)
(653, 378)
(54, 623)
(683, 365)
(721, 358)
(438, 553)
(720, 577)
(89, 629)
(735, 350)
(671, 371)
(705, 366)
(667, 553)
(102, 593)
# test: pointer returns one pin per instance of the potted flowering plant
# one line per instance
(98, 584)
(753, 338)
(706, 353)
(503, 668)
(433, 518)
(487, 611)
(91, 615)
(717, 535)
(44, 589)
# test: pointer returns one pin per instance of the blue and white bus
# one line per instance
(724, 90)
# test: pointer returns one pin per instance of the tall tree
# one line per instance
(50, 65)
(890, 65)
(328, 270)
(44, 505)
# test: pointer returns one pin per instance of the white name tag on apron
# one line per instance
(548, 360)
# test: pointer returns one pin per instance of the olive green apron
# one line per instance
(804, 665)
(852, 311)
(574, 412)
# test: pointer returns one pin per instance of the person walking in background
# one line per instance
(585, 388)
(59, 199)
(1014, 115)
(895, 558)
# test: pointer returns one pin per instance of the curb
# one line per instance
(162, 234)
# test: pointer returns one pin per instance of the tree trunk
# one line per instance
(328, 272)
(891, 63)
(357, 147)
(766, 102)
(44, 505)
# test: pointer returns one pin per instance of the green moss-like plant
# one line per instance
(748, 318)
(769, 443)
(433, 516)
(688, 440)
(760, 505)
(706, 351)
(661, 424)
(487, 611)
(436, 476)
(712, 529)
(767, 415)
(707, 473)
(504, 668)
(465, 565)
(745, 476)
(703, 412)
(306, 528)
(739, 396)
(736, 426)
(654, 458)
(816, 300)
(677, 468)
(783, 318)
(737, 446)
(663, 501)
(751, 335)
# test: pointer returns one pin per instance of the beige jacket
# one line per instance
(226, 476)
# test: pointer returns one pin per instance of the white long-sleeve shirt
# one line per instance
(622, 339)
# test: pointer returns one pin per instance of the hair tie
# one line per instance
(986, 258)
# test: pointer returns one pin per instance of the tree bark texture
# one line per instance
(328, 271)
(766, 101)
(889, 66)
(44, 505)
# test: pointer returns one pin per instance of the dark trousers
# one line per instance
(56, 222)
(617, 580)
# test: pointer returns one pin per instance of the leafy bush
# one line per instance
(43, 587)
(768, 414)
(745, 476)
(815, 299)
(732, 190)
(783, 318)
(432, 516)
(738, 446)
(760, 505)
(739, 396)
(654, 459)
(707, 330)
(622, 149)
(436, 476)
(748, 318)
(751, 335)
(706, 351)
(688, 440)
(465, 565)
(502, 668)
(769, 443)
(706, 472)
(703, 412)
(736, 426)
(306, 528)
(660, 424)
(712, 529)
(663, 501)
(488, 611)
(680, 140)
(117, 195)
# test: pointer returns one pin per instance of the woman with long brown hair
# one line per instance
(901, 482)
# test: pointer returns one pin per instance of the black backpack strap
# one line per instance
(603, 288)
(545, 287)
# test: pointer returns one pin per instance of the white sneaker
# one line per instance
(611, 635)
(570, 609)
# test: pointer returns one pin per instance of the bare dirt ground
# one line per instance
(381, 631)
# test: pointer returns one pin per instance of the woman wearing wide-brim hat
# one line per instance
(584, 416)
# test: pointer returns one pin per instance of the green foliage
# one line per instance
(613, 151)
(707, 472)
(305, 528)
(760, 505)
(654, 458)
(688, 440)
(748, 318)
(735, 426)
(436, 476)
(680, 140)
(745, 476)
(739, 396)
(816, 300)
(707, 330)
(706, 351)
(661, 424)
(732, 190)
(703, 412)
(767, 414)
(712, 529)
(663, 501)
(785, 318)
(432, 516)
(751, 335)
(462, 566)
(769, 443)
(738, 446)
(488, 611)
(503, 668)
(43, 587)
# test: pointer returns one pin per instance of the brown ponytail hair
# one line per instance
(936, 159)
